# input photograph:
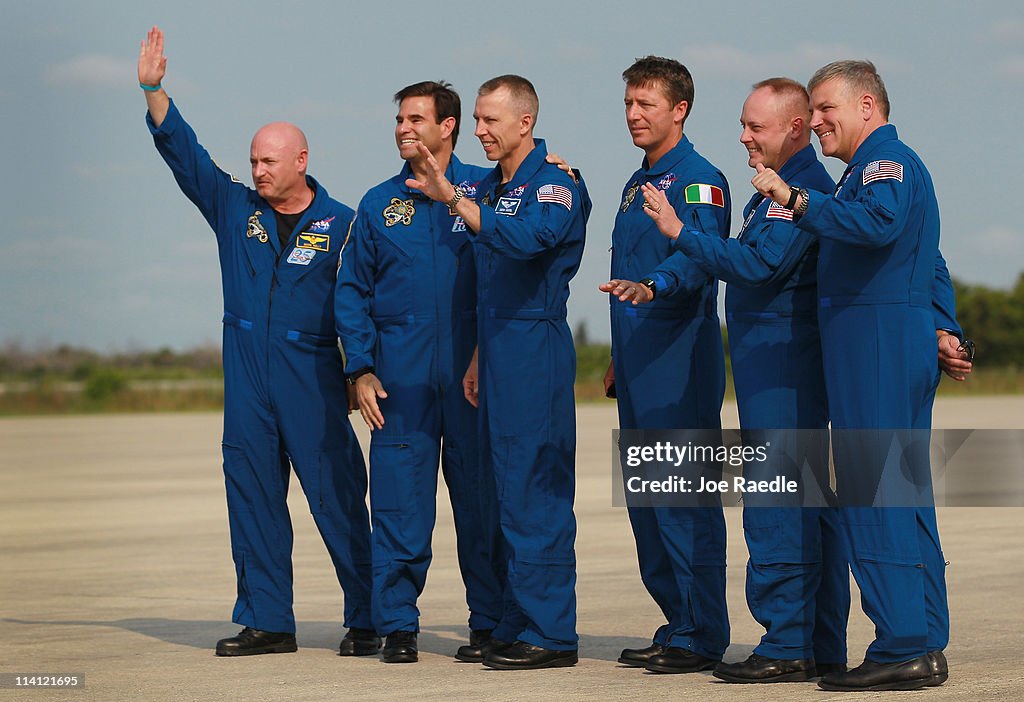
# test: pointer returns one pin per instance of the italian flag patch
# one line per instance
(700, 194)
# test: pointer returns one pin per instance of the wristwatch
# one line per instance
(651, 285)
(352, 377)
(794, 193)
(459, 193)
(803, 201)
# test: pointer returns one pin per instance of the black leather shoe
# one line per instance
(870, 676)
(523, 656)
(830, 668)
(477, 647)
(679, 660)
(400, 647)
(938, 667)
(761, 669)
(359, 642)
(639, 657)
(251, 642)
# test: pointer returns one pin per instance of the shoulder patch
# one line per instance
(558, 194)
(882, 170)
(702, 194)
(777, 211)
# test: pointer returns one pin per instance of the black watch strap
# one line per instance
(651, 285)
(794, 193)
(352, 377)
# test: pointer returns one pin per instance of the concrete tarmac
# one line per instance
(115, 566)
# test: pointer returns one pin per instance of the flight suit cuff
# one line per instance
(166, 127)
(488, 223)
(663, 283)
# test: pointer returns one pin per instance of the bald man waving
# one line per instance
(284, 389)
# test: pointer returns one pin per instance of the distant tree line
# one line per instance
(994, 319)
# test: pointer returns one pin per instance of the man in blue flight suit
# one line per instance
(528, 232)
(668, 367)
(798, 584)
(406, 316)
(877, 267)
(284, 390)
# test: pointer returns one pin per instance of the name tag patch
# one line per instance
(310, 240)
(507, 206)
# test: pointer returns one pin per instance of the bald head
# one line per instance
(284, 135)
(787, 98)
(775, 121)
(279, 155)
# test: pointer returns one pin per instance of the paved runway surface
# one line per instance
(115, 565)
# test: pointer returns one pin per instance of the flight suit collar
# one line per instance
(533, 162)
(797, 162)
(674, 155)
(886, 132)
(407, 173)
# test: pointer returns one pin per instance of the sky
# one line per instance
(99, 248)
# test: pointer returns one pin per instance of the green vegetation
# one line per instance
(73, 380)
(994, 318)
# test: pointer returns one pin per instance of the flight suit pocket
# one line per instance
(392, 461)
(393, 294)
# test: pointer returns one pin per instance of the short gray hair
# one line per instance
(859, 76)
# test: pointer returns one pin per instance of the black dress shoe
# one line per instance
(830, 668)
(477, 647)
(870, 676)
(679, 660)
(400, 647)
(760, 669)
(523, 656)
(639, 657)
(251, 642)
(359, 642)
(938, 667)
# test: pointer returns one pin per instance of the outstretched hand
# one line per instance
(152, 62)
(436, 186)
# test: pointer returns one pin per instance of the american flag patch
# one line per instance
(777, 211)
(555, 193)
(882, 170)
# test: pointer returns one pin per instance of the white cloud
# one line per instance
(1012, 66)
(1007, 30)
(91, 71)
(727, 61)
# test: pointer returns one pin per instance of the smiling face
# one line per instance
(501, 128)
(775, 123)
(417, 122)
(654, 123)
(842, 118)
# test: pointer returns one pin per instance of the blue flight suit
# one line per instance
(670, 374)
(528, 248)
(284, 390)
(878, 270)
(406, 306)
(798, 583)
